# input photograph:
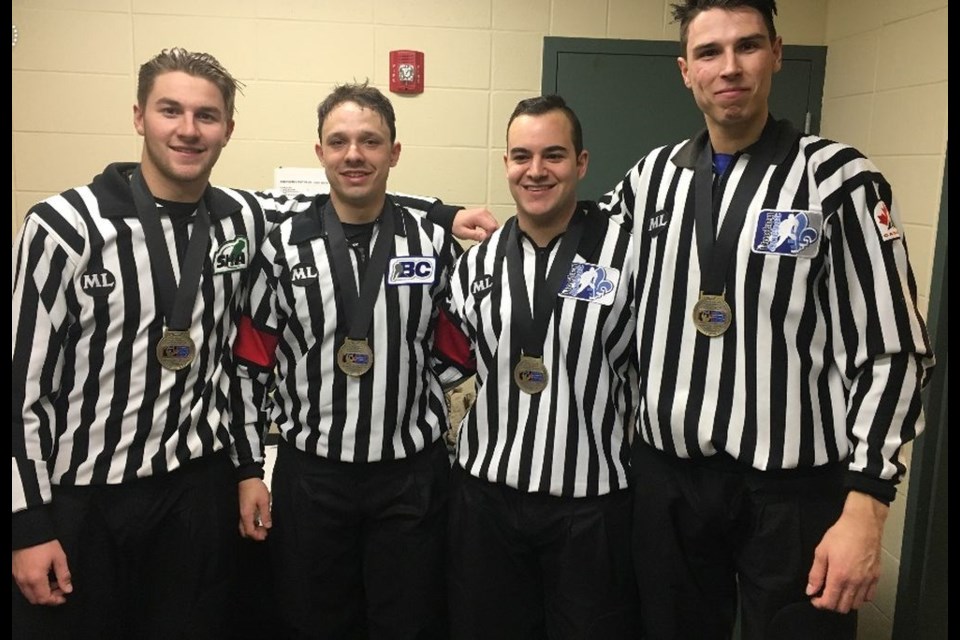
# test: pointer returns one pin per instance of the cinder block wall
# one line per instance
(74, 79)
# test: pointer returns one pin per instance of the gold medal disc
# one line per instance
(712, 315)
(355, 357)
(176, 350)
(530, 375)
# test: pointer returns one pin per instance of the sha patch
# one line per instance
(591, 283)
(233, 255)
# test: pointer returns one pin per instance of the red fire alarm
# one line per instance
(406, 71)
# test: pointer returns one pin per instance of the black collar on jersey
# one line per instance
(308, 224)
(775, 142)
(176, 300)
(112, 189)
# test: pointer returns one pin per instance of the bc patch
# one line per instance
(412, 270)
(788, 233)
(591, 282)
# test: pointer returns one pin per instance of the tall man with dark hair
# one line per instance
(540, 504)
(125, 298)
(781, 355)
(342, 318)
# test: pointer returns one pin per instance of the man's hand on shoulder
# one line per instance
(474, 224)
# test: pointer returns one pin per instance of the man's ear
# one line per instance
(682, 63)
(582, 160)
(395, 154)
(138, 119)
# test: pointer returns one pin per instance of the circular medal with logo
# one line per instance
(530, 375)
(176, 349)
(354, 357)
(712, 315)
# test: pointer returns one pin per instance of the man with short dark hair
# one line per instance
(540, 504)
(342, 318)
(781, 355)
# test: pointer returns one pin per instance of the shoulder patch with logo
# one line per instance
(304, 274)
(881, 216)
(788, 232)
(409, 270)
(591, 283)
(97, 283)
(232, 255)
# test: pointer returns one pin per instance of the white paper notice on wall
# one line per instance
(294, 180)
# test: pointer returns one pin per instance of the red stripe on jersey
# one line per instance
(450, 342)
(255, 346)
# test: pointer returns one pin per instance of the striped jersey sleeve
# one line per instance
(827, 353)
(572, 438)
(392, 411)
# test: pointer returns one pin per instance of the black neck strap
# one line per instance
(359, 306)
(176, 301)
(533, 327)
(715, 255)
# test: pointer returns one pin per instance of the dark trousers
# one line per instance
(149, 559)
(528, 566)
(708, 531)
(358, 548)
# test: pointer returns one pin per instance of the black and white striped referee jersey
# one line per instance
(91, 402)
(297, 320)
(827, 351)
(571, 439)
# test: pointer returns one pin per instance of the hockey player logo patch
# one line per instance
(233, 255)
(591, 283)
(412, 270)
(788, 233)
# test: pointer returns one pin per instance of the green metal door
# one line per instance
(630, 98)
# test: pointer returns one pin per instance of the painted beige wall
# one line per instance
(74, 77)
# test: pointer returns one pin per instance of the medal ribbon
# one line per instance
(176, 302)
(533, 330)
(359, 307)
(715, 256)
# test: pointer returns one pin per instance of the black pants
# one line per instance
(358, 548)
(149, 559)
(528, 566)
(705, 532)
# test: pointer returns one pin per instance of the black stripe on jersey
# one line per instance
(113, 422)
(61, 228)
(417, 296)
(649, 313)
(779, 340)
(24, 340)
(95, 358)
(837, 161)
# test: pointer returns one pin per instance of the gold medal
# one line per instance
(530, 374)
(354, 357)
(176, 349)
(712, 315)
